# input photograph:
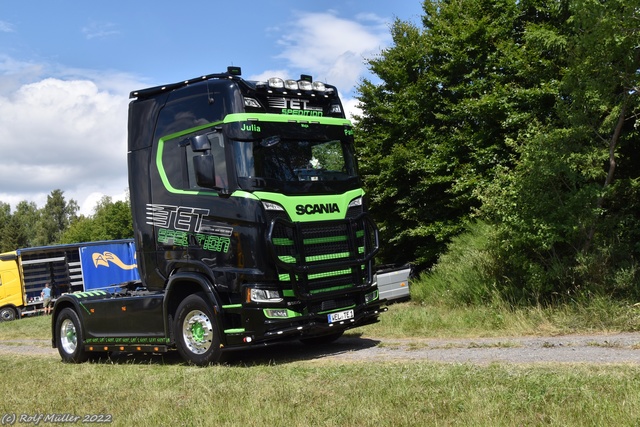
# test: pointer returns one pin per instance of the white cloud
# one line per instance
(63, 134)
(100, 30)
(7, 27)
(265, 75)
(333, 49)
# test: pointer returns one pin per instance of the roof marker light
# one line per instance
(291, 84)
(319, 86)
(276, 83)
(305, 85)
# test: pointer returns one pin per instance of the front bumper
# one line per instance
(262, 330)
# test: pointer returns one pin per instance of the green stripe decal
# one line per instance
(88, 294)
(163, 174)
(232, 306)
(283, 118)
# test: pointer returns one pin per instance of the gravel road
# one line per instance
(587, 349)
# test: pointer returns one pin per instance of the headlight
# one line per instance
(372, 296)
(270, 206)
(264, 295)
(356, 202)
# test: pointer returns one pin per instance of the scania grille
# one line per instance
(321, 258)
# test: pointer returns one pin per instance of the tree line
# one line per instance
(58, 222)
(499, 146)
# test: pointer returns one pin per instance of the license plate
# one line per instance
(340, 316)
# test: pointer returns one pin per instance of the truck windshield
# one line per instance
(293, 165)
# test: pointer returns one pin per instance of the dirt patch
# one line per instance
(588, 349)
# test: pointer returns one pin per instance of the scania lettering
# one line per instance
(314, 209)
(250, 226)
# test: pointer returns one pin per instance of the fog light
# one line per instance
(279, 313)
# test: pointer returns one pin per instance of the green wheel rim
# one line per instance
(197, 332)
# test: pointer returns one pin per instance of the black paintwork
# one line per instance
(169, 215)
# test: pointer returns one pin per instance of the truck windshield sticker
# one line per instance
(177, 223)
(250, 127)
(293, 106)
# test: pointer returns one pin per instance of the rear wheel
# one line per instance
(69, 338)
(196, 331)
(8, 314)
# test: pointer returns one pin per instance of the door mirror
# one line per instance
(205, 171)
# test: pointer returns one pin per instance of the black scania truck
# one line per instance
(250, 226)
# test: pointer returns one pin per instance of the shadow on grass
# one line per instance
(272, 354)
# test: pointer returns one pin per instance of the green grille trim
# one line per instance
(282, 241)
(335, 288)
(292, 260)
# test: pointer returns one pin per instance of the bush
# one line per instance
(465, 273)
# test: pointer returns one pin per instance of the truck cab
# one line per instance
(249, 219)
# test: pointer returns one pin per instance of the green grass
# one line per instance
(308, 393)
(317, 392)
(410, 319)
(28, 328)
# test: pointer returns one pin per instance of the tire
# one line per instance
(196, 331)
(70, 338)
(322, 339)
(8, 314)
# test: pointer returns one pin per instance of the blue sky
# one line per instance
(67, 67)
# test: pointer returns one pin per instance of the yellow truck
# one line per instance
(77, 267)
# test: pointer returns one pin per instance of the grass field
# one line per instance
(163, 391)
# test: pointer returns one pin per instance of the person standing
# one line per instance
(46, 298)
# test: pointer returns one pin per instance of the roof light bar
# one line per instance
(305, 83)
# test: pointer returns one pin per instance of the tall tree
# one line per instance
(5, 217)
(17, 230)
(454, 98)
(110, 220)
(55, 218)
(569, 209)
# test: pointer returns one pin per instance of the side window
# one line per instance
(179, 156)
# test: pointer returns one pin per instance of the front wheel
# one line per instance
(196, 331)
(8, 314)
(69, 338)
